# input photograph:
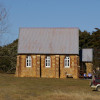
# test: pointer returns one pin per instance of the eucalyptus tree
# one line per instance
(3, 20)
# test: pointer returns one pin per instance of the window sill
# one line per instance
(28, 66)
(47, 66)
(67, 67)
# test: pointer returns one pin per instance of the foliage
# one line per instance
(8, 55)
(84, 38)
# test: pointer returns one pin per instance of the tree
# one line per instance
(3, 20)
(84, 38)
(96, 38)
(96, 46)
(8, 55)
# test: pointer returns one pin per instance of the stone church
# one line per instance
(48, 52)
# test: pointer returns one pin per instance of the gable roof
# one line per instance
(48, 41)
(87, 55)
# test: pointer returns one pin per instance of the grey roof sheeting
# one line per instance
(48, 41)
(87, 55)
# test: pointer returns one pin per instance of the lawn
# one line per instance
(15, 88)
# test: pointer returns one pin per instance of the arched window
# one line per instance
(67, 62)
(28, 61)
(47, 61)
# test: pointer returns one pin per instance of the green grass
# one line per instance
(15, 88)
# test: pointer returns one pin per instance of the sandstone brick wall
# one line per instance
(53, 71)
(38, 69)
(89, 68)
(74, 67)
(23, 71)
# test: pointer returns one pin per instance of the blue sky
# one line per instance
(84, 14)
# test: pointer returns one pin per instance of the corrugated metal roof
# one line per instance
(87, 55)
(49, 40)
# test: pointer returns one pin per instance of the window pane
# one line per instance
(46, 60)
(46, 63)
(27, 64)
(68, 62)
(27, 61)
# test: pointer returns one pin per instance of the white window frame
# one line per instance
(67, 62)
(47, 62)
(28, 61)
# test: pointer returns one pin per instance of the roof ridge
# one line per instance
(49, 28)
